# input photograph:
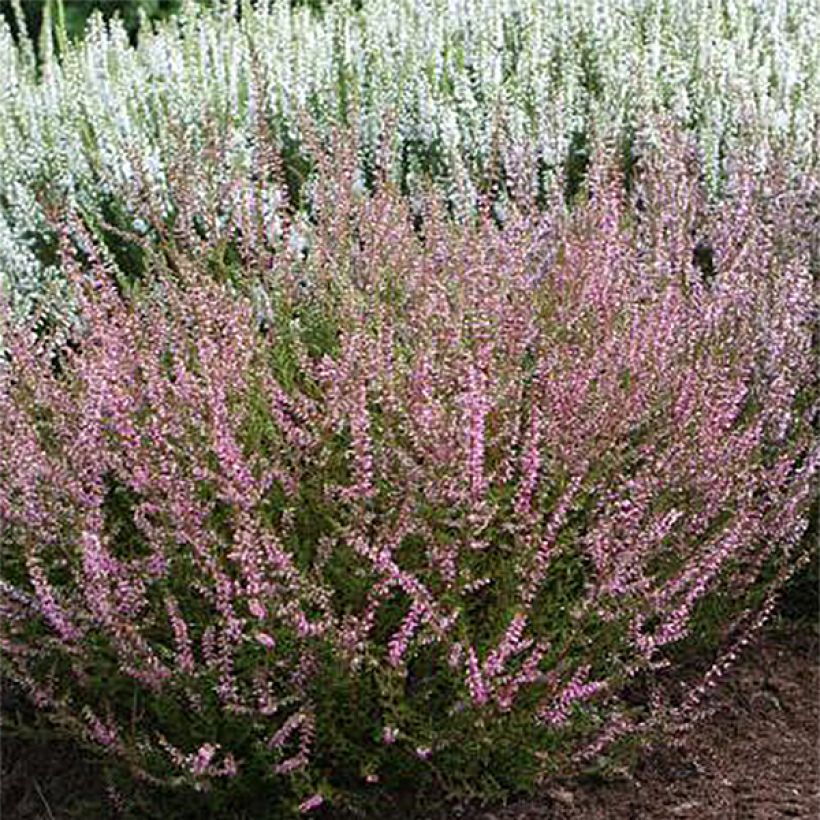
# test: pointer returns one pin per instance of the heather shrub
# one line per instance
(410, 501)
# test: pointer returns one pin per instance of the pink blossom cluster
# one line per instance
(448, 446)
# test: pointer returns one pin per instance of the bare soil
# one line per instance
(757, 757)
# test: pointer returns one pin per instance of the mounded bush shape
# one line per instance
(396, 500)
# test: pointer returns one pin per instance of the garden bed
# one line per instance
(400, 420)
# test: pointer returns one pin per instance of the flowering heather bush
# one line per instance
(416, 501)
(471, 86)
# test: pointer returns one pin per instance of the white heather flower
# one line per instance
(111, 119)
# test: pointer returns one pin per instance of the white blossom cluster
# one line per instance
(464, 84)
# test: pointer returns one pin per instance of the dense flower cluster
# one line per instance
(440, 492)
(473, 88)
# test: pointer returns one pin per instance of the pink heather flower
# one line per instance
(424, 752)
(51, 610)
(185, 658)
(455, 655)
(292, 764)
(229, 767)
(575, 691)
(511, 644)
(266, 640)
(371, 778)
(475, 680)
(203, 757)
(256, 609)
(311, 803)
(477, 407)
(398, 643)
(390, 735)
(287, 729)
(105, 733)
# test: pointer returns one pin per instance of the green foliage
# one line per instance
(71, 16)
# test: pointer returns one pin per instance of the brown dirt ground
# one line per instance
(757, 757)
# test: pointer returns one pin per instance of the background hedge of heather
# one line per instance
(389, 498)
(471, 88)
